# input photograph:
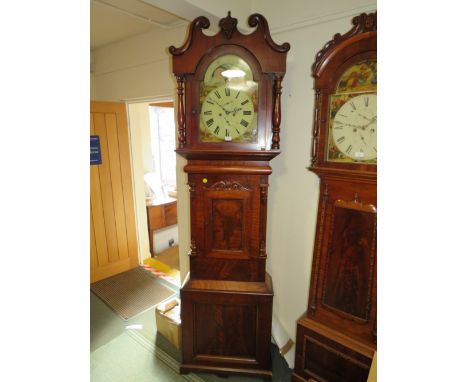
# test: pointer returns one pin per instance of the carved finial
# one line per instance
(228, 25)
(366, 22)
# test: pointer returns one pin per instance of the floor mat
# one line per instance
(131, 293)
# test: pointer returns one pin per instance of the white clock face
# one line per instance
(227, 113)
(354, 129)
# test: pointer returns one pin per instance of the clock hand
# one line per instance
(221, 106)
(227, 121)
(358, 127)
(362, 139)
(236, 109)
(374, 119)
(363, 116)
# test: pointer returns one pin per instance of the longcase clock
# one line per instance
(337, 336)
(229, 114)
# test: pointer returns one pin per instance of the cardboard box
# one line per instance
(168, 321)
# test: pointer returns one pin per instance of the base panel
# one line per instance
(224, 371)
(325, 355)
(226, 327)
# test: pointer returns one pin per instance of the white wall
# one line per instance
(140, 67)
(137, 67)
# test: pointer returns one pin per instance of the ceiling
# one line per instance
(114, 20)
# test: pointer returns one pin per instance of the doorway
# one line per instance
(153, 141)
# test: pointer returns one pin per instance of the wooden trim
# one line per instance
(162, 104)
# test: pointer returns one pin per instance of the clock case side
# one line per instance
(359, 44)
(268, 61)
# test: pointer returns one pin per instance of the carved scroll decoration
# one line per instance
(199, 23)
(228, 185)
(258, 19)
(362, 23)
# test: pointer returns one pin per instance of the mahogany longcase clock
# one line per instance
(336, 337)
(229, 113)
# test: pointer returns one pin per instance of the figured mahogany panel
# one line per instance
(211, 268)
(231, 330)
(347, 278)
(227, 327)
(227, 224)
(327, 362)
(345, 257)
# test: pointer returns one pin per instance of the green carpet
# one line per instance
(126, 355)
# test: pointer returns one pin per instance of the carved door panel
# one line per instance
(346, 280)
(227, 220)
(226, 241)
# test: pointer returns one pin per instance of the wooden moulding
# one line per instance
(231, 286)
(228, 167)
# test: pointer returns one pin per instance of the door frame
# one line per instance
(139, 193)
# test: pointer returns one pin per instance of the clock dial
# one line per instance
(229, 101)
(354, 128)
(227, 113)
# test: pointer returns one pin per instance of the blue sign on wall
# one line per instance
(95, 150)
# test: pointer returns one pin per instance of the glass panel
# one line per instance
(352, 134)
(229, 101)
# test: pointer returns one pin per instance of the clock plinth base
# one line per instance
(226, 327)
(225, 371)
(324, 354)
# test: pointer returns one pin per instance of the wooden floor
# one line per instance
(170, 257)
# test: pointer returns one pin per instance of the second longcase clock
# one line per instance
(229, 115)
(336, 336)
